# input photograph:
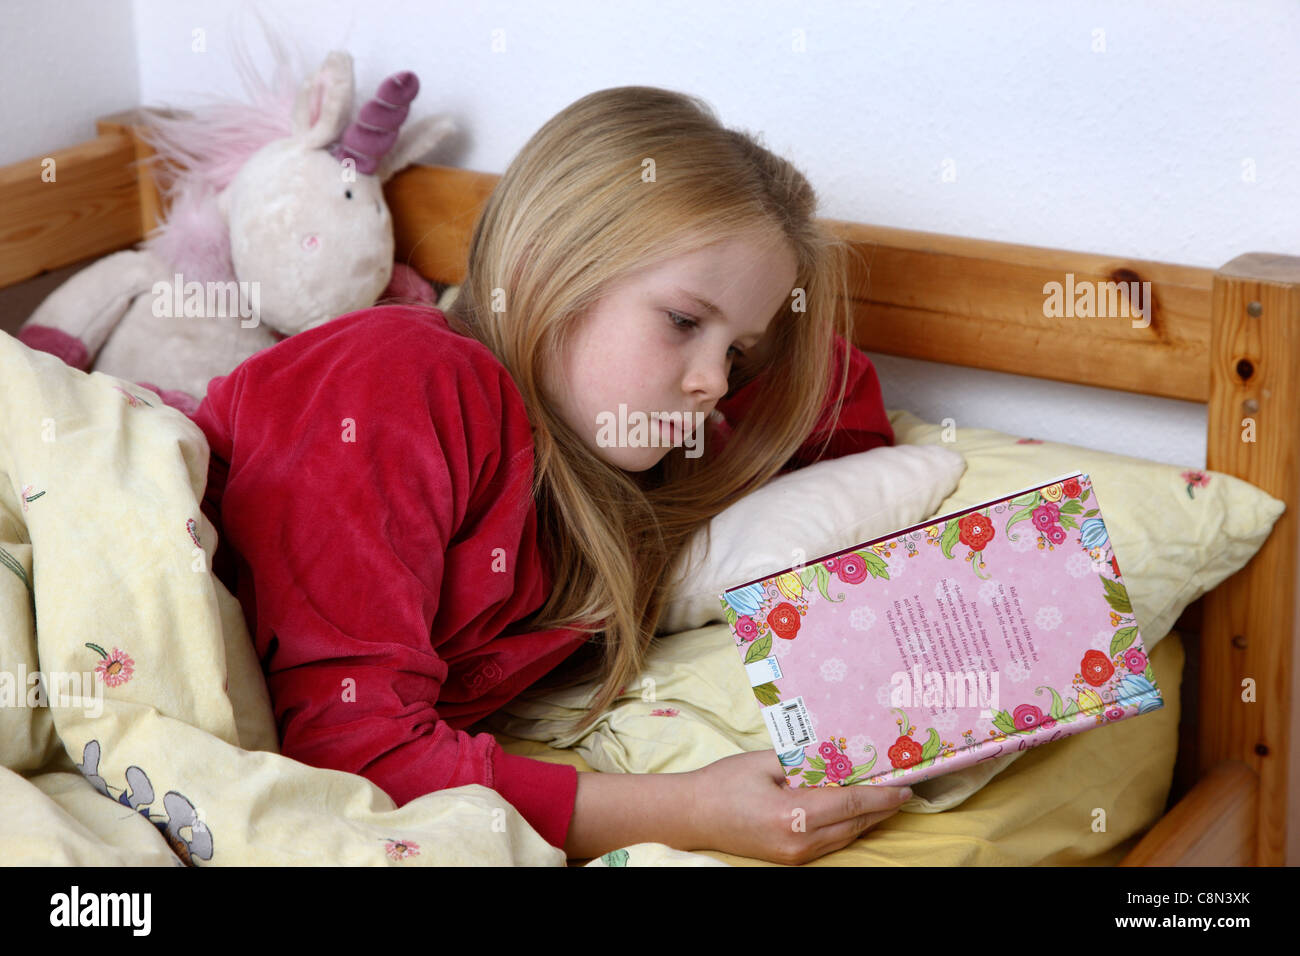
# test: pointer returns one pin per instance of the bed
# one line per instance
(1214, 782)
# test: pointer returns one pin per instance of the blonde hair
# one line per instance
(572, 214)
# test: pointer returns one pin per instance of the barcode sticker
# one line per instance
(763, 672)
(789, 725)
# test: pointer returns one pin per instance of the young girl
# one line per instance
(423, 517)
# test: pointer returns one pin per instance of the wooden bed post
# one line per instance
(1255, 384)
(127, 123)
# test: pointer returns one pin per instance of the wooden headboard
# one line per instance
(1229, 338)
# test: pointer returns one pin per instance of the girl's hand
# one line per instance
(743, 805)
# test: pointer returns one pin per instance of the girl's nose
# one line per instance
(708, 377)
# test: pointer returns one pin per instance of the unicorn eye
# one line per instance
(348, 194)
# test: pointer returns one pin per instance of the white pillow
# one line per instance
(821, 508)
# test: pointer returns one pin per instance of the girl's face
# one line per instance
(651, 347)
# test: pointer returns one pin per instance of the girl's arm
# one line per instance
(740, 804)
(614, 810)
(381, 530)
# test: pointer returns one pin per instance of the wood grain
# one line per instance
(1214, 825)
(981, 304)
(91, 208)
(1252, 624)
(127, 123)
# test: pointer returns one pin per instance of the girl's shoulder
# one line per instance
(384, 330)
(398, 359)
(381, 346)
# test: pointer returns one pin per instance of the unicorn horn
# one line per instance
(375, 129)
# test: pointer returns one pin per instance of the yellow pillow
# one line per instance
(1176, 532)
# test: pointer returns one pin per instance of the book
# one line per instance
(998, 627)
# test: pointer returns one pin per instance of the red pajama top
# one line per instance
(370, 480)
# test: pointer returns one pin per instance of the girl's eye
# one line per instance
(688, 323)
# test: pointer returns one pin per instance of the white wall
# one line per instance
(62, 66)
(1168, 135)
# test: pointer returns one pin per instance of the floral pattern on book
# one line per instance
(1107, 686)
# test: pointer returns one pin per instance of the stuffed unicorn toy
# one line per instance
(277, 223)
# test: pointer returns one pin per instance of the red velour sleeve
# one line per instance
(363, 451)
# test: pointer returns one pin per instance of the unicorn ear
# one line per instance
(417, 139)
(324, 102)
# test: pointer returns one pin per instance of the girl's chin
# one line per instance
(633, 459)
(647, 459)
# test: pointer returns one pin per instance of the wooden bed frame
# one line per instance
(1229, 338)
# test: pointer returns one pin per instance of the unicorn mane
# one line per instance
(198, 153)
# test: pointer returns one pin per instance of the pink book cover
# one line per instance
(999, 627)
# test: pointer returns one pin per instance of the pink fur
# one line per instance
(199, 155)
